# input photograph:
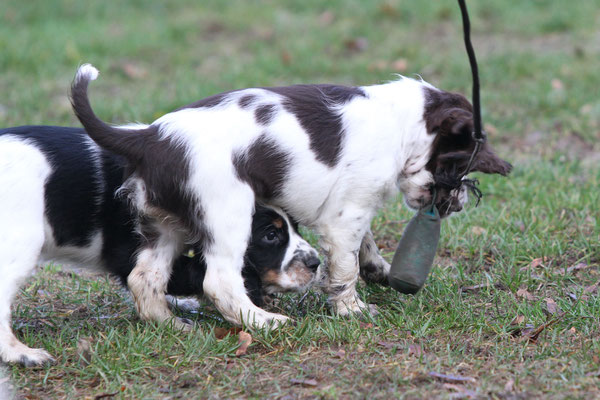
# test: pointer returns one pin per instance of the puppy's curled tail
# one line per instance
(124, 141)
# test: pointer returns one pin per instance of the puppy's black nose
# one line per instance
(313, 263)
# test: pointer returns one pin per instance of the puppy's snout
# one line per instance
(313, 263)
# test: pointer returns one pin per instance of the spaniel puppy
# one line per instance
(58, 203)
(328, 155)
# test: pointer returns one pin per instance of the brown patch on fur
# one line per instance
(278, 223)
(271, 277)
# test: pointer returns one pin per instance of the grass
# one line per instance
(538, 70)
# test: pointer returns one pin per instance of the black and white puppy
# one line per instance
(57, 202)
(329, 155)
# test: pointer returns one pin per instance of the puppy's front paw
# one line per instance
(266, 320)
(27, 357)
(183, 324)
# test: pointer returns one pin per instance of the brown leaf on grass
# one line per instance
(535, 263)
(557, 84)
(106, 395)
(577, 267)
(525, 294)
(304, 382)
(551, 305)
(221, 333)
(341, 353)
(84, 349)
(378, 65)
(356, 44)
(133, 71)
(400, 65)
(478, 230)
(518, 320)
(509, 386)
(531, 334)
(387, 345)
(461, 391)
(450, 377)
(365, 325)
(592, 288)
(415, 350)
(596, 359)
(286, 57)
(326, 18)
(244, 341)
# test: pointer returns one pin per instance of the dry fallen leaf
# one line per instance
(244, 341)
(451, 378)
(326, 18)
(551, 305)
(577, 267)
(415, 350)
(509, 385)
(387, 345)
(532, 334)
(557, 84)
(84, 349)
(518, 320)
(400, 65)
(133, 71)
(304, 382)
(356, 44)
(366, 325)
(221, 333)
(341, 353)
(478, 230)
(462, 392)
(525, 294)
(592, 288)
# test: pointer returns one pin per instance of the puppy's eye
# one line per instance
(271, 237)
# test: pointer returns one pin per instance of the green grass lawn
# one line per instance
(527, 258)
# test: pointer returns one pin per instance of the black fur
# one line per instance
(264, 166)
(264, 114)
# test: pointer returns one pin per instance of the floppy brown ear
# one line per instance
(455, 121)
(489, 163)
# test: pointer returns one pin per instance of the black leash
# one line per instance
(456, 180)
(478, 134)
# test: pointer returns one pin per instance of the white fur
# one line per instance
(19, 246)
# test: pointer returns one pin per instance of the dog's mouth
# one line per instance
(451, 194)
(297, 277)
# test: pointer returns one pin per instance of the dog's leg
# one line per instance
(373, 268)
(21, 239)
(149, 278)
(229, 222)
(342, 241)
(14, 270)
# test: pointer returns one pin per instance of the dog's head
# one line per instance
(449, 118)
(278, 259)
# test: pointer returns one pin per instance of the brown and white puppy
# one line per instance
(328, 155)
(58, 203)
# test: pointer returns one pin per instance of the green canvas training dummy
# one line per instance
(414, 256)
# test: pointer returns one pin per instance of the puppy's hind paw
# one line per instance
(354, 307)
